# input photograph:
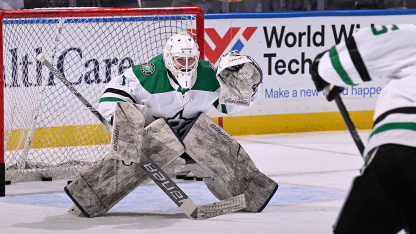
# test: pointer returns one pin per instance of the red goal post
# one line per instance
(46, 133)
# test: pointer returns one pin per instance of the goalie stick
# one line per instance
(157, 174)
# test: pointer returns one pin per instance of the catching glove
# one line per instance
(239, 77)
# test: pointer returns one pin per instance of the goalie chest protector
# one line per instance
(166, 99)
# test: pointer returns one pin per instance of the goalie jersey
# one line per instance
(382, 51)
(148, 84)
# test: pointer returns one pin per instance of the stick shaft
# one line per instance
(350, 124)
(58, 74)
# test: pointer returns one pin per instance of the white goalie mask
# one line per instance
(181, 57)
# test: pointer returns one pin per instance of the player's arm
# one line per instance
(367, 55)
(119, 89)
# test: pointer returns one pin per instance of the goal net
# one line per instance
(47, 130)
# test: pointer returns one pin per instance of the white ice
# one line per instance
(313, 170)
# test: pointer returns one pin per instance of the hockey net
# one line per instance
(47, 131)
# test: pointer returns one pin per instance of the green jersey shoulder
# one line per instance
(154, 79)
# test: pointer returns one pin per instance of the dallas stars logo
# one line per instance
(148, 68)
(178, 122)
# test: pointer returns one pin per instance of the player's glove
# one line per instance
(235, 68)
(239, 77)
(331, 91)
(317, 79)
(232, 57)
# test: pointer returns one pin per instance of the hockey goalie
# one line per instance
(160, 107)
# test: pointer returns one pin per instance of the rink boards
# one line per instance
(284, 45)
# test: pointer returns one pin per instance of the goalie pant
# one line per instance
(230, 169)
(382, 199)
(100, 188)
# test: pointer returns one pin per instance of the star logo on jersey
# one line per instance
(178, 122)
(148, 68)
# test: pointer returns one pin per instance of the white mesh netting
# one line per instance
(65, 137)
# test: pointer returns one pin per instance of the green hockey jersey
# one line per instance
(148, 84)
(382, 51)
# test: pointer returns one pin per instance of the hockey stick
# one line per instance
(347, 120)
(350, 124)
(158, 175)
(353, 130)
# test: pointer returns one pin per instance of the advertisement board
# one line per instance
(284, 45)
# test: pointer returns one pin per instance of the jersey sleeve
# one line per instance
(369, 54)
(121, 88)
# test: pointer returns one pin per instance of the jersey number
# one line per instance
(383, 29)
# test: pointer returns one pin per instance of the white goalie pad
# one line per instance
(230, 168)
(101, 187)
(127, 135)
(237, 87)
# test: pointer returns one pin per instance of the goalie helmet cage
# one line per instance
(46, 131)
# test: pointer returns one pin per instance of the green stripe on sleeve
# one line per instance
(223, 108)
(124, 81)
(111, 99)
(394, 126)
(336, 63)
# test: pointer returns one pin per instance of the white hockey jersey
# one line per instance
(371, 53)
(148, 84)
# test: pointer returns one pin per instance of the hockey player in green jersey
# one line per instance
(173, 92)
(383, 198)
(171, 85)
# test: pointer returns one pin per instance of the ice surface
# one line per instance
(313, 170)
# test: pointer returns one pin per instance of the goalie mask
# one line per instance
(181, 57)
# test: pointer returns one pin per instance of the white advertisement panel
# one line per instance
(285, 44)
